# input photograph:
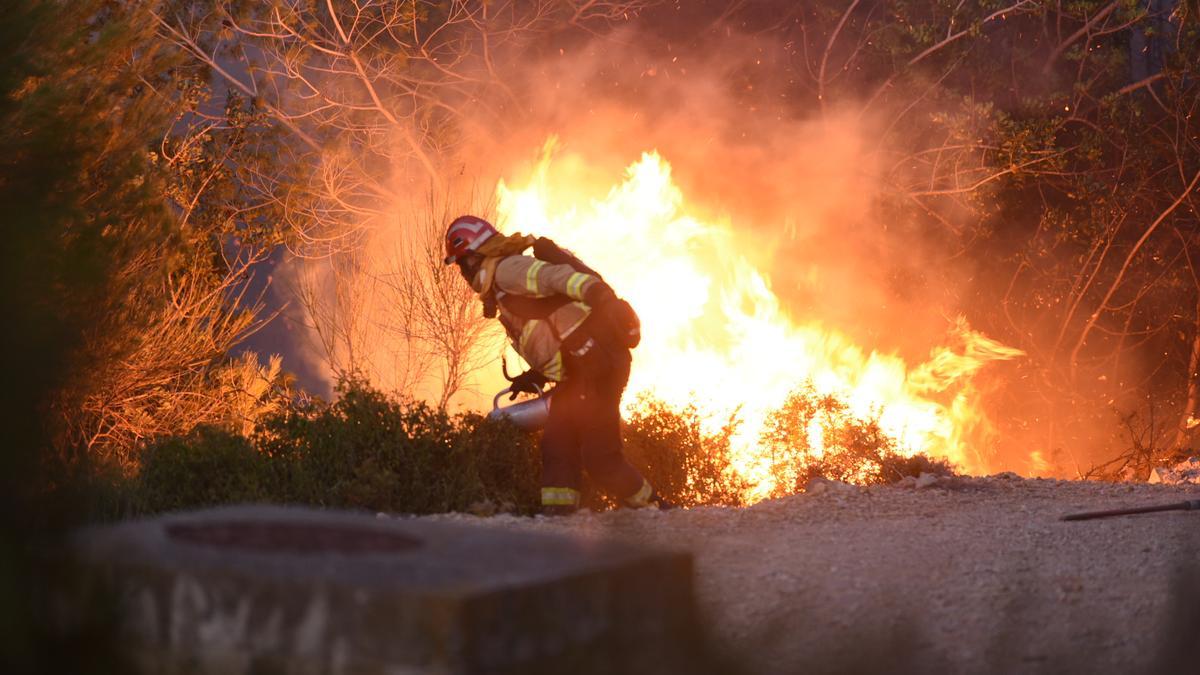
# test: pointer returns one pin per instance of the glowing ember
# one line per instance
(716, 335)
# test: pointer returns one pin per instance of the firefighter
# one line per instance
(572, 329)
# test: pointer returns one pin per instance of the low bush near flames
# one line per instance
(369, 450)
(816, 436)
(685, 464)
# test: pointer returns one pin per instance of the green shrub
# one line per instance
(208, 466)
(368, 450)
(99, 491)
(364, 451)
(503, 461)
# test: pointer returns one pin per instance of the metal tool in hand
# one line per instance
(528, 415)
(1190, 505)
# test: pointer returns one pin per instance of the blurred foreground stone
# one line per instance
(257, 589)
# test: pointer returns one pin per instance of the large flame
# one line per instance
(714, 333)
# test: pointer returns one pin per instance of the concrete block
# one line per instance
(264, 589)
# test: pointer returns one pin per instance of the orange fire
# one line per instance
(715, 334)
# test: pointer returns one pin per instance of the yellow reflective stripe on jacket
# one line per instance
(554, 369)
(575, 285)
(539, 341)
(560, 496)
(526, 332)
(581, 314)
(530, 339)
(531, 280)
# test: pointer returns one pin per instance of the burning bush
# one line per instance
(685, 464)
(814, 435)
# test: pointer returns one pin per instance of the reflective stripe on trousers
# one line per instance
(641, 497)
(583, 432)
(560, 496)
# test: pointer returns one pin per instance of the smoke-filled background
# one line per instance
(975, 225)
(857, 231)
(887, 170)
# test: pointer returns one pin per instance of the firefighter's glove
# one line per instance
(625, 322)
(620, 320)
(599, 295)
(528, 382)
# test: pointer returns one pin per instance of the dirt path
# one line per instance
(969, 575)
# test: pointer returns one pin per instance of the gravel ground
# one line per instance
(966, 575)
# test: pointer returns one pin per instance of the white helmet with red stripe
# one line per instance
(466, 234)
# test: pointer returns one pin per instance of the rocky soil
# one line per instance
(961, 575)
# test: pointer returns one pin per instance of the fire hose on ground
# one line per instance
(1190, 505)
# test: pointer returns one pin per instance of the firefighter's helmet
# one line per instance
(466, 234)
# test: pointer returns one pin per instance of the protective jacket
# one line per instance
(512, 282)
(569, 326)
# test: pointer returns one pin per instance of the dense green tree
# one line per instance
(123, 293)
(79, 198)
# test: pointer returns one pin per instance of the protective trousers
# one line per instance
(583, 433)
